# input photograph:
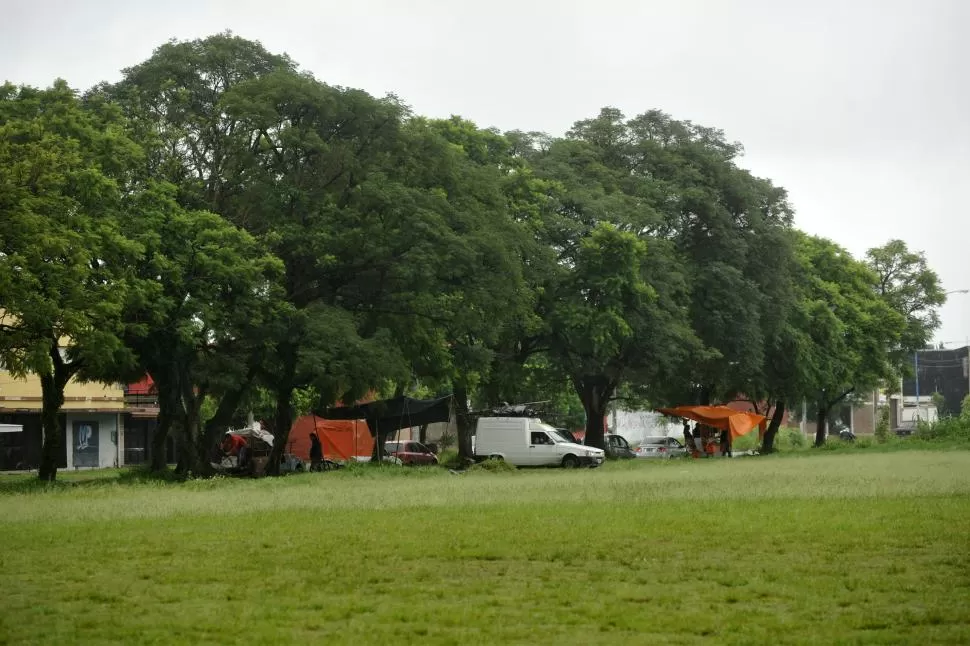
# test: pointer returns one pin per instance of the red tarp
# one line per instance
(721, 417)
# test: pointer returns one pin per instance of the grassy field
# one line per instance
(827, 548)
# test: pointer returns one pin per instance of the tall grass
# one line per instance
(839, 548)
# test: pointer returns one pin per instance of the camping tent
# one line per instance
(721, 417)
(342, 440)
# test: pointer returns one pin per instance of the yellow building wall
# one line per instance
(25, 394)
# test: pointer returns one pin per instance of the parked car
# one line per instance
(525, 441)
(410, 453)
(617, 447)
(660, 447)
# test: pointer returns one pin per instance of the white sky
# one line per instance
(860, 108)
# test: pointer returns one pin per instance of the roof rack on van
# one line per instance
(528, 409)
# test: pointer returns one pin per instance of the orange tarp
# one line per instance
(342, 440)
(721, 417)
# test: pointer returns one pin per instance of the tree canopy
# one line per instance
(244, 232)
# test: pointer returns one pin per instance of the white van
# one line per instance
(527, 442)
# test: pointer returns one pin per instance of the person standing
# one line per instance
(316, 452)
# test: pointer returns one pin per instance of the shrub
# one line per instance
(492, 465)
(447, 440)
(882, 426)
(793, 437)
(747, 442)
(950, 428)
(449, 458)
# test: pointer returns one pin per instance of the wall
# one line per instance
(25, 394)
(81, 449)
(637, 425)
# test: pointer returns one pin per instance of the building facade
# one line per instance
(940, 371)
(92, 419)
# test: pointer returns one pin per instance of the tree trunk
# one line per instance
(821, 421)
(423, 433)
(595, 393)
(768, 442)
(283, 417)
(282, 420)
(222, 419)
(192, 453)
(464, 422)
(52, 398)
(168, 415)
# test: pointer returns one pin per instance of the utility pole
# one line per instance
(916, 365)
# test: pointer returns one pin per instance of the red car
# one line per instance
(410, 453)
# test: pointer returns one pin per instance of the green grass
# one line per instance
(839, 547)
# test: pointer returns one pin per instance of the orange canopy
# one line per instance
(727, 419)
(342, 440)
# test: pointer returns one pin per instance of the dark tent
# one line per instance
(389, 415)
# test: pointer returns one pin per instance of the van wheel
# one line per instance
(570, 462)
(497, 458)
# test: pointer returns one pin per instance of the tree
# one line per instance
(851, 327)
(615, 319)
(674, 180)
(173, 103)
(205, 291)
(905, 281)
(62, 258)
(479, 286)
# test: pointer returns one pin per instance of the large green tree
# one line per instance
(907, 283)
(63, 165)
(173, 102)
(615, 317)
(851, 327)
(205, 292)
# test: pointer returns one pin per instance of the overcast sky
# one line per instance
(860, 108)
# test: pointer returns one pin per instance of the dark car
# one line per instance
(617, 447)
(410, 453)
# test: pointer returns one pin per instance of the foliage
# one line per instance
(882, 429)
(913, 290)
(946, 429)
(63, 261)
(851, 328)
(205, 287)
(258, 240)
(794, 438)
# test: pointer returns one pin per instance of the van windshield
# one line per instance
(560, 437)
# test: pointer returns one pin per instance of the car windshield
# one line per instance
(652, 441)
